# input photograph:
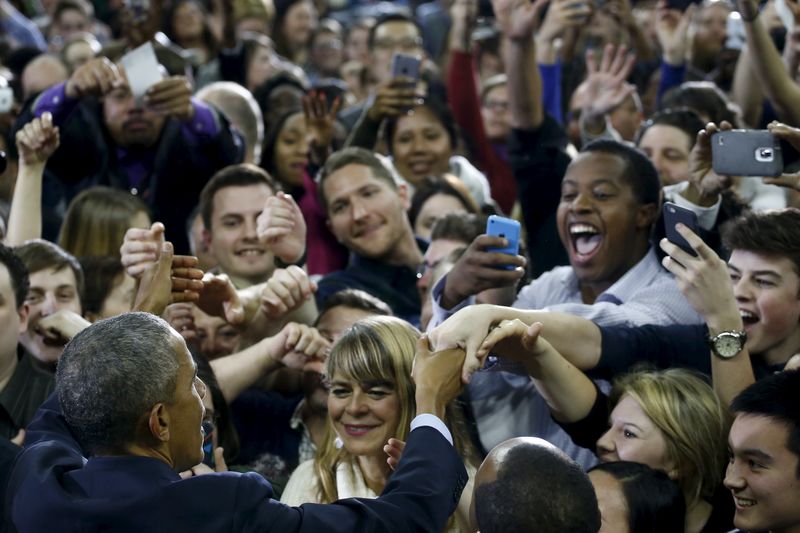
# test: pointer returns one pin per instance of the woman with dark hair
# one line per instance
(294, 22)
(634, 498)
(435, 197)
(187, 25)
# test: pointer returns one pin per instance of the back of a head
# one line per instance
(705, 98)
(654, 502)
(111, 373)
(464, 227)
(355, 299)
(240, 108)
(96, 221)
(537, 489)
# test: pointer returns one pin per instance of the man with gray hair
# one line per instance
(128, 396)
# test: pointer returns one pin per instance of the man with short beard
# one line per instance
(163, 148)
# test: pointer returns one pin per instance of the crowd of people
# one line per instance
(258, 293)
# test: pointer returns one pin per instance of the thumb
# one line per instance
(219, 460)
(158, 231)
(234, 310)
(167, 253)
(531, 336)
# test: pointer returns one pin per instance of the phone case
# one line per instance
(508, 229)
(405, 66)
(673, 214)
(746, 153)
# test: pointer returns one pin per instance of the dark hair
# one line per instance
(241, 175)
(282, 8)
(464, 227)
(654, 502)
(776, 397)
(227, 437)
(395, 16)
(81, 6)
(639, 172)
(271, 136)
(441, 112)
(39, 254)
(431, 186)
(111, 374)
(682, 118)
(169, 25)
(520, 499)
(273, 103)
(704, 97)
(355, 299)
(17, 273)
(100, 274)
(352, 156)
(770, 233)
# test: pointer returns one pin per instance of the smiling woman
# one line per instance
(371, 399)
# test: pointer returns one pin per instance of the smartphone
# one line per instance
(406, 66)
(208, 443)
(507, 228)
(746, 153)
(673, 214)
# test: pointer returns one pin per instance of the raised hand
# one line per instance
(463, 13)
(606, 87)
(296, 344)
(140, 248)
(181, 317)
(394, 449)
(393, 99)
(59, 327)
(672, 30)
(320, 123)
(703, 280)
(171, 97)
(792, 136)
(37, 141)
(437, 376)
(286, 290)
(561, 16)
(705, 185)
(518, 18)
(97, 77)
(282, 227)
(220, 298)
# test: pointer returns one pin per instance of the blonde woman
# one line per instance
(371, 399)
(670, 420)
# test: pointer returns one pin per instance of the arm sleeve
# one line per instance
(585, 433)
(204, 126)
(539, 160)
(671, 76)
(663, 346)
(56, 102)
(551, 90)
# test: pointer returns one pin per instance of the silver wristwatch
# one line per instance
(727, 344)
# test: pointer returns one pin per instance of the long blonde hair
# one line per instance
(378, 348)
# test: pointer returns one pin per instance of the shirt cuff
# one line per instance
(438, 313)
(432, 421)
(706, 216)
(55, 101)
(204, 125)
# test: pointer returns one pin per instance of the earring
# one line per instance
(338, 442)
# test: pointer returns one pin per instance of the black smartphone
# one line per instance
(674, 214)
(746, 153)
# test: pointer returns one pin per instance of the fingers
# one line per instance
(531, 336)
(219, 460)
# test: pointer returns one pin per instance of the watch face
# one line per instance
(728, 345)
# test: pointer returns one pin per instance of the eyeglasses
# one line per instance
(495, 105)
(409, 44)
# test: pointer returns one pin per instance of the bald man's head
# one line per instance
(41, 73)
(527, 484)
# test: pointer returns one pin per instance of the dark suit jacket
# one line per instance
(53, 488)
